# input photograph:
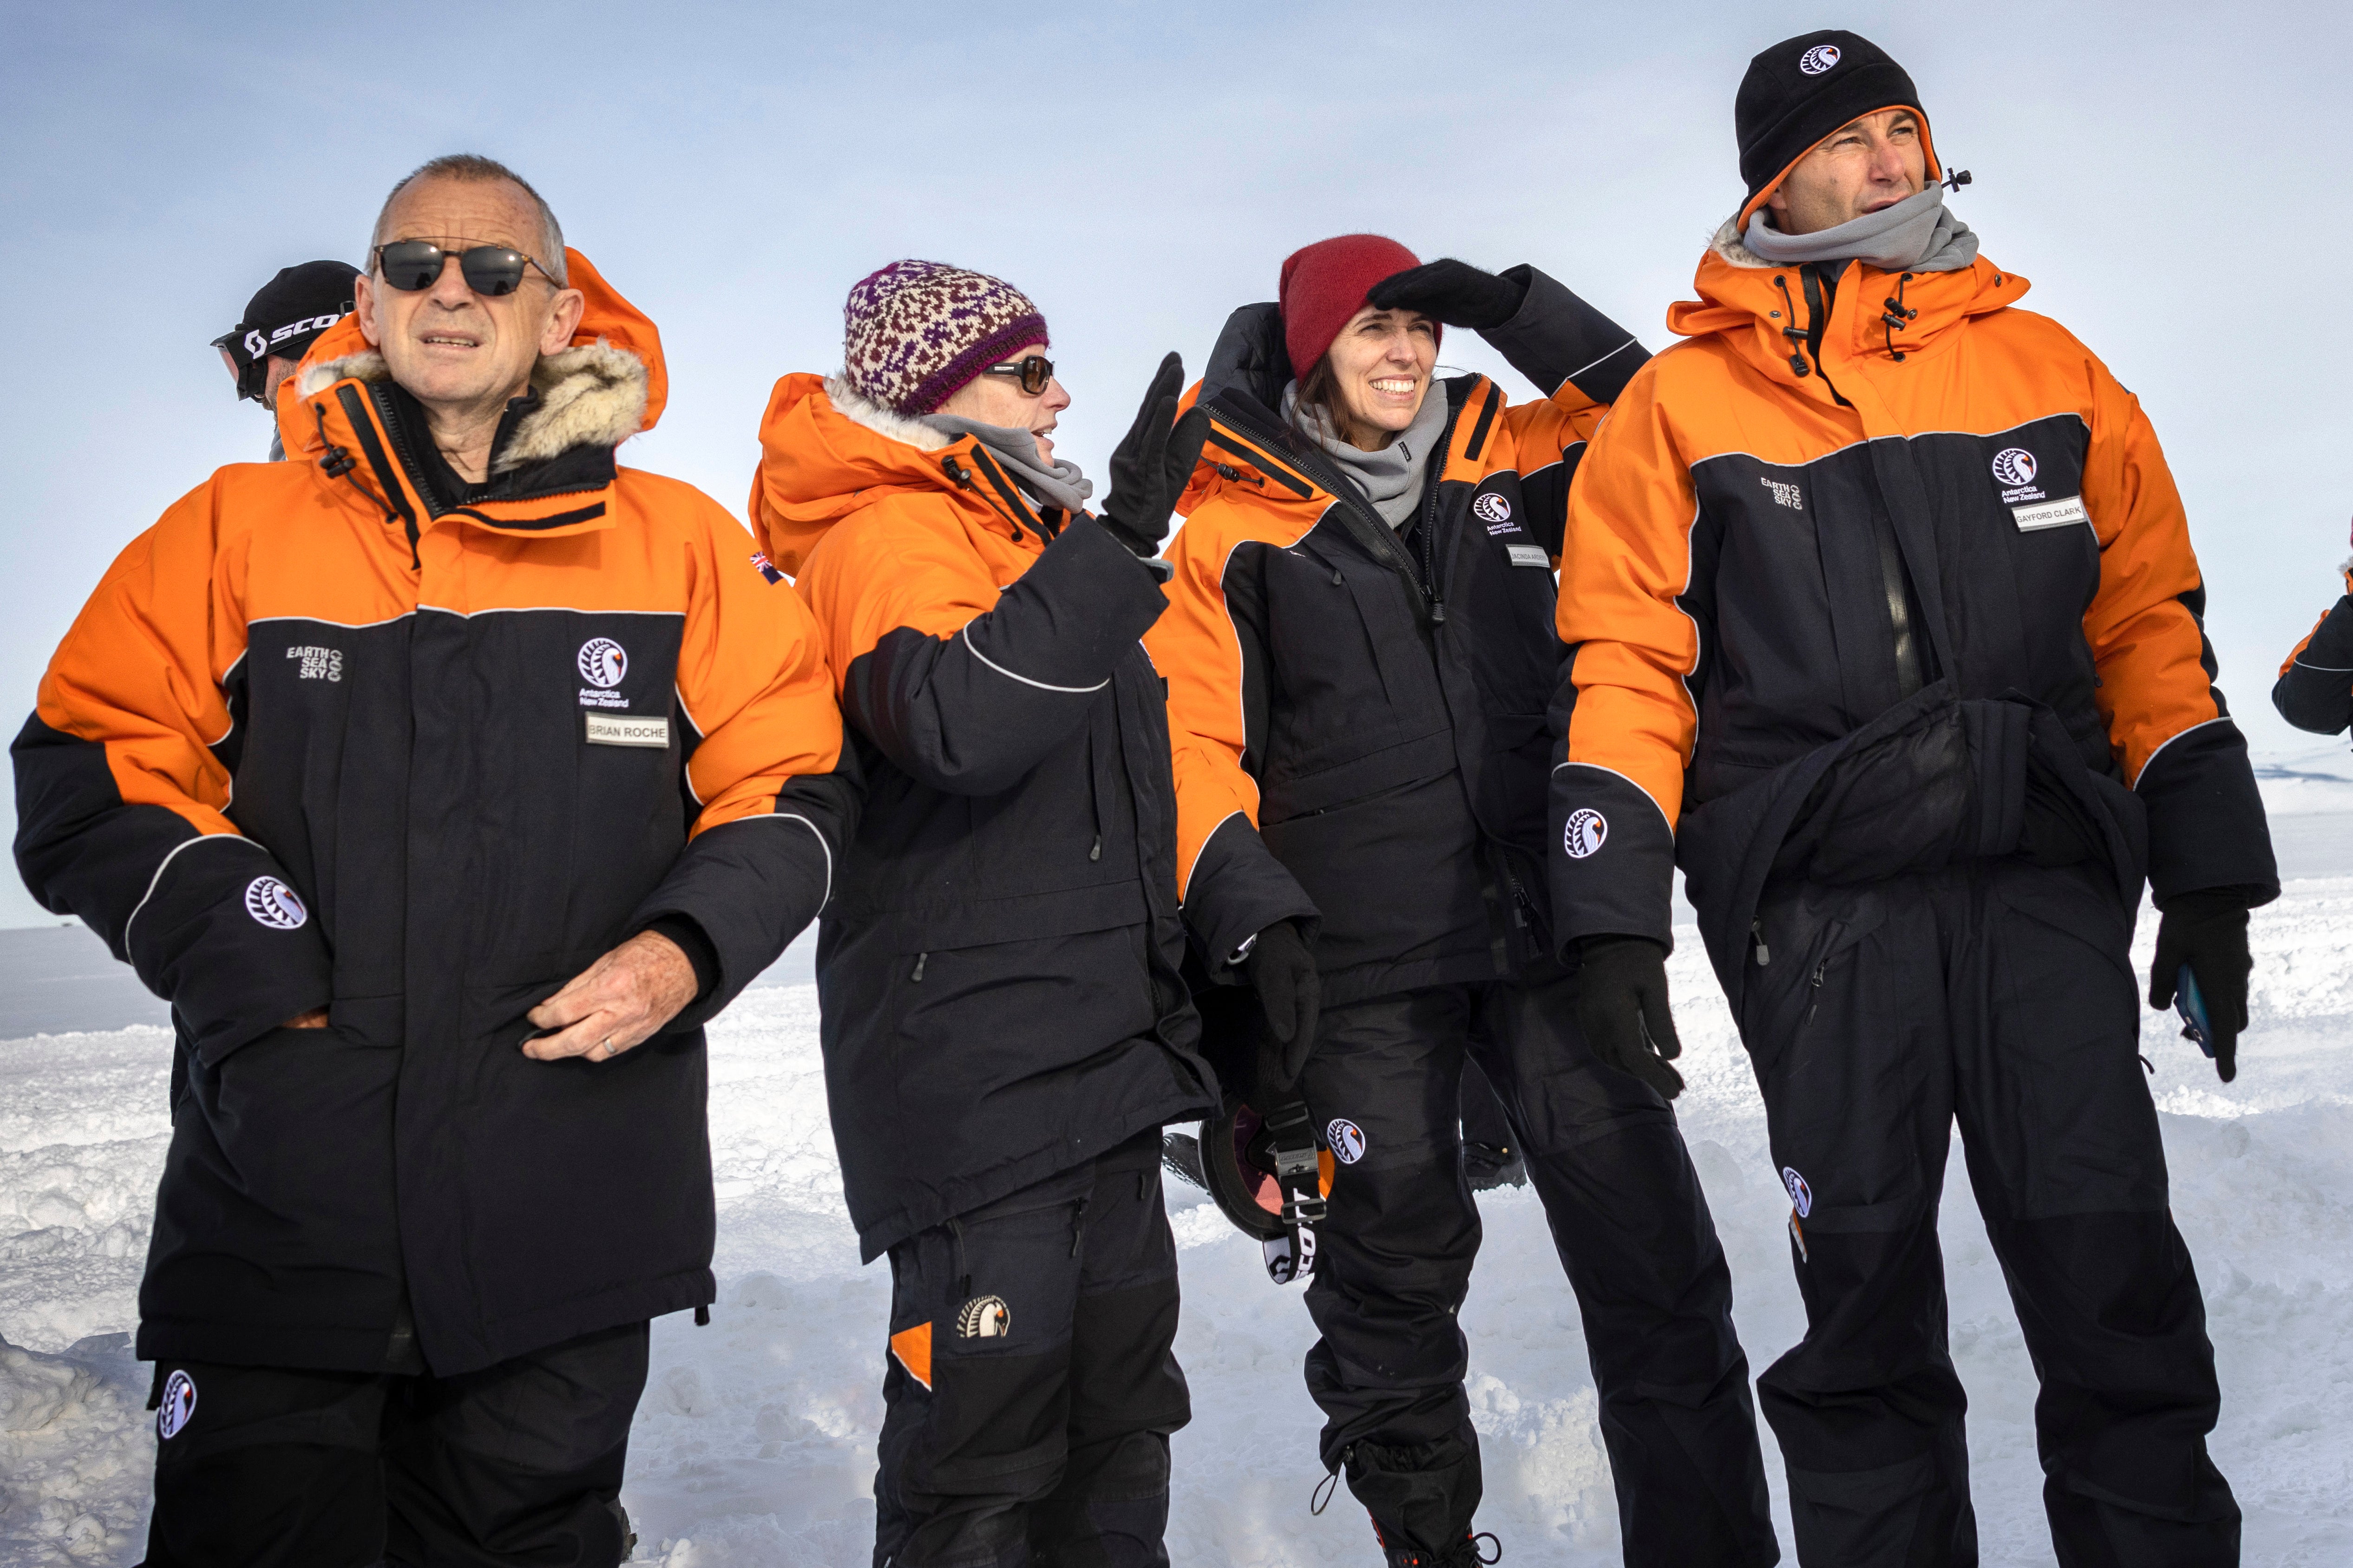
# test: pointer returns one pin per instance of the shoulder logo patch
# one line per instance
(1491, 507)
(1584, 834)
(1347, 1140)
(273, 903)
(2014, 465)
(1818, 59)
(602, 662)
(178, 1404)
(985, 1318)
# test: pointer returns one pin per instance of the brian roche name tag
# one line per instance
(612, 730)
(1529, 555)
(2051, 514)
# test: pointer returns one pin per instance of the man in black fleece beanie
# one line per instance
(1802, 89)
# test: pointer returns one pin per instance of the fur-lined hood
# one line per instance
(827, 452)
(590, 396)
(860, 409)
(610, 385)
(1728, 244)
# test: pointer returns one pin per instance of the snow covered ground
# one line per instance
(755, 1441)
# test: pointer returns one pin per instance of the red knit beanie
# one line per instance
(1326, 283)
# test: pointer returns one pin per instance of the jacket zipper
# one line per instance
(1433, 470)
(1382, 540)
(1830, 950)
(1891, 559)
(1899, 603)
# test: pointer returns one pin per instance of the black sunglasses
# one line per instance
(492, 270)
(1034, 372)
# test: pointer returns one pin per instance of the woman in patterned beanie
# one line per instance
(1005, 1029)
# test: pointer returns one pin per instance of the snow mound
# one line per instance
(76, 1447)
(755, 1443)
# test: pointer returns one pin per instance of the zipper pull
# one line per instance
(1437, 611)
(1096, 853)
(918, 975)
(1764, 954)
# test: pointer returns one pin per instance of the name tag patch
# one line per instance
(611, 730)
(1529, 555)
(2051, 514)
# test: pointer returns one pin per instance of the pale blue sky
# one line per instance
(2170, 178)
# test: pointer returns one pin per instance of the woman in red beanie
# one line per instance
(1360, 653)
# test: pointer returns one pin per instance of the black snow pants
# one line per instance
(1634, 1232)
(519, 1463)
(2000, 994)
(1032, 1384)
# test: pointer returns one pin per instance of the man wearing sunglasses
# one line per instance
(289, 313)
(445, 778)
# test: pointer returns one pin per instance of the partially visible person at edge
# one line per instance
(289, 313)
(2316, 683)
(445, 778)
(1886, 629)
(1359, 650)
(1004, 1024)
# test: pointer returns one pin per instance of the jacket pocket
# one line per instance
(1796, 947)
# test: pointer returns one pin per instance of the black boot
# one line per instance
(1419, 1494)
(1467, 1552)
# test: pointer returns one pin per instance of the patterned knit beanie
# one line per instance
(917, 333)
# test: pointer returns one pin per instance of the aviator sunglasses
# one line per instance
(492, 270)
(1034, 372)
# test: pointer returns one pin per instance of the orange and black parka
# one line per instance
(1000, 971)
(344, 732)
(1850, 490)
(2315, 689)
(1358, 710)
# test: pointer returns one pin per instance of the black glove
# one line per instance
(1154, 462)
(2207, 930)
(1621, 1008)
(1282, 970)
(1453, 292)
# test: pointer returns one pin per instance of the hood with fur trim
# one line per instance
(826, 452)
(609, 385)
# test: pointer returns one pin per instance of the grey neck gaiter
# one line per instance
(1916, 234)
(1061, 485)
(1391, 477)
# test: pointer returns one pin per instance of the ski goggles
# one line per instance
(493, 272)
(1034, 372)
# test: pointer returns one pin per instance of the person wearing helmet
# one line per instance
(281, 322)
(2315, 691)
(1359, 650)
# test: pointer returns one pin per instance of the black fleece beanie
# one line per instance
(1802, 88)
